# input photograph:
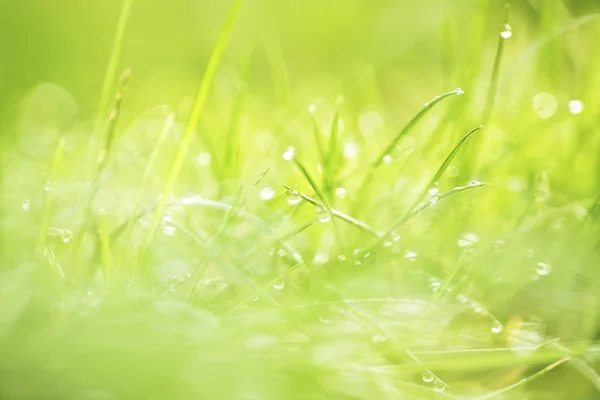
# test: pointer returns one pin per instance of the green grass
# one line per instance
(302, 226)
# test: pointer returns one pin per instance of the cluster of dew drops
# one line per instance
(428, 377)
(294, 197)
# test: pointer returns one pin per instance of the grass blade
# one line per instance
(525, 380)
(338, 214)
(417, 211)
(231, 162)
(197, 108)
(110, 74)
(428, 106)
(331, 162)
(449, 159)
(491, 95)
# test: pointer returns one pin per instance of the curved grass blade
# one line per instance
(417, 211)
(448, 160)
(525, 380)
(428, 106)
(197, 108)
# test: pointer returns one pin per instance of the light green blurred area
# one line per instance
(222, 312)
(413, 47)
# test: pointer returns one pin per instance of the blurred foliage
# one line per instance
(245, 295)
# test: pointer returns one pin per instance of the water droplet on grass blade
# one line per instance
(293, 197)
(543, 269)
(203, 159)
(47, 186)
(324, 320)
(427, 376)
(411, 255)
(341, 257)
(341, 193)
(323, 214)
(280, 284)
(267, 193)
(474, 183)
(507, 32)
(459, 91)
(387, 159)
(439, 386)
(169, 230)
(378, 338)
(66, 236)
(26, 205)
(467, 240)
(496, 327)
(351, 150)
(289, 153)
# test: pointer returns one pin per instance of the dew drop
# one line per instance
(341, 192)
(66, 236)
(280, 284)
(410, 255)
(323, 214)
(312, 108)
(395, 237)
(267, 193)
(378, 338)
(496, 327)
(499, 245)
(387, 159)
(439, 386)
(324, 320)
(281, 252)
(427, 376)
(467, 240)
(459, 91)
(543, 269)
(293, 197)
(47, 186)
(507, 32)
(575, 106)
(530, 253)
(26, 205)
(356, 251)
(388, 243)
(289, 153)
(341, 257)
(255, 298)
(462, 298)
(357, 262)
(351, 150)
(475, 183)
(435, 286)
(169, 230)
(203, 159)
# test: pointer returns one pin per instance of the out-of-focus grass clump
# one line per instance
(324, 218)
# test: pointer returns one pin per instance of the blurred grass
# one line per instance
(248, 285)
